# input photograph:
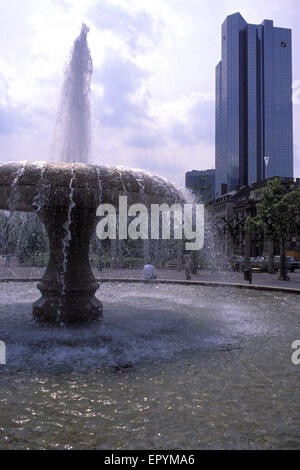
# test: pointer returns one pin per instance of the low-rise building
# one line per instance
(231, 211)
(202, 183)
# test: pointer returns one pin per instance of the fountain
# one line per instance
(66, 195)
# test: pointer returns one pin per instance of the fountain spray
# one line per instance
(72, 140)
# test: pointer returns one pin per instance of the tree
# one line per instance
(277, 216)
(203, 191)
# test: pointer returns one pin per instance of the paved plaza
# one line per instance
(14, 271)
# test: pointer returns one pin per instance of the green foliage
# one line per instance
(202, 189)
(277, 211)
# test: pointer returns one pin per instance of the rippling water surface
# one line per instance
(169, 367)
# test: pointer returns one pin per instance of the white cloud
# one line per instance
(161, 84)
(180, 109)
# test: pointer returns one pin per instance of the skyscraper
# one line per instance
(254, 120)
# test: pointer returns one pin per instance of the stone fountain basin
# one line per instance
(22, 183)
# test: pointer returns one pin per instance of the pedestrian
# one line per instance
(7, 260)
(188, 267)
(149, 272)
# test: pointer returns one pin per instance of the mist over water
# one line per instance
(72, 139)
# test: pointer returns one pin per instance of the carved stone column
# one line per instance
(68, 285)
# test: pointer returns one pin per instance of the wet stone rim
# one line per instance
(286, 290)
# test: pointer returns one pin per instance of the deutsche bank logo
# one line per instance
(2, 353)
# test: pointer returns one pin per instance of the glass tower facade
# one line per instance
(254, 116)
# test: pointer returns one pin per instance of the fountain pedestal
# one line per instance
(68, 213)
(68, 285)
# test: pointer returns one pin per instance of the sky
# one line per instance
(153, 84)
